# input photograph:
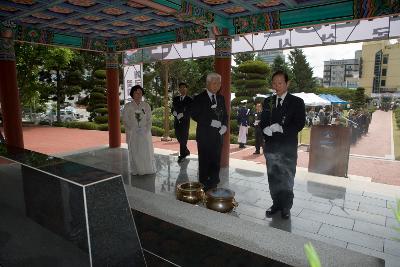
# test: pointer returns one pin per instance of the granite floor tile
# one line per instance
(376, 210)
(305, 224)
(392, 247)
(378, 196)
(316, 206)
(390, 260)
(391, 222)
(327, 218)
(358, 215)
(391, 204)
(328, 240)
(302, 195)
(375, 230)
(252, 211)
(352, 237)
(366, 200)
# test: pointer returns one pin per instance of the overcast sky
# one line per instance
(317, 55)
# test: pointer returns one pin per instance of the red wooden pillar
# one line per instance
(114, 127)
(223, 54)
(9, 96)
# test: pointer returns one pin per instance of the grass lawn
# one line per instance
(304, 136)
(192, 129)
(396, 138)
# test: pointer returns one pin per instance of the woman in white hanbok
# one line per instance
(137, 121)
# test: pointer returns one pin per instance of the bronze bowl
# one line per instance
(190, 192)
(220, 199)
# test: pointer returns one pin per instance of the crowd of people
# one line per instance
(277, 122)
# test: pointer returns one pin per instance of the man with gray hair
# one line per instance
(209, 111)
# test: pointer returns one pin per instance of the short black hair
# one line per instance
(135, 88)
(281, 72)
(182, 84)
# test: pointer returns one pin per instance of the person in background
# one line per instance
(258, 131)
(137, 121)
(181, 111)
(281, 120)
(208, 110)
(243, 123)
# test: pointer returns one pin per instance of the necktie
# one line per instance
(213, 100)
(279, 102)
(181, 98)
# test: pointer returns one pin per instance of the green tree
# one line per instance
(343, 93)
(302, 80)
(243, 57)
(359, 98)
(250, 80)
(280, 64)
(98, 98)
(29, 63)
(62, 74)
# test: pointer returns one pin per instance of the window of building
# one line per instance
(383, 83)
(385, 59)
(384, 71)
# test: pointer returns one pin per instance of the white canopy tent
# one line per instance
(311, 99)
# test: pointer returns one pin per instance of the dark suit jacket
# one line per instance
(203, 114)
(292, 119)
(182, 107)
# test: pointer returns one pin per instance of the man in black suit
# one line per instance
(281, 120)
(208, 110)
(181, 110)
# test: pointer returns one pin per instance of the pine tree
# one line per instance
(98, 99)
(302, 80)
(359, 99)
(250, 80)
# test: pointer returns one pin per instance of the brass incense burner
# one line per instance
(191, 192)
(218, 199)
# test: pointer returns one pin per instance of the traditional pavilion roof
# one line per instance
(116, 25)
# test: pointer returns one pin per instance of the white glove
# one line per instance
(216, 124)
(267, 131)
(276, 128)
(179, 116)
(174, 113)
(222, 130)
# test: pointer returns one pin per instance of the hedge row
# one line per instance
(397, 116)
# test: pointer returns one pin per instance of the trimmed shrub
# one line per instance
(101, 74)
(82, 125)
(251, 142)
(122, 129)
(234, 127)
(101, 119)
(233, 139)
(101, 111)
(157, 131)
(102, 127)
(97, 96)
(158, 112)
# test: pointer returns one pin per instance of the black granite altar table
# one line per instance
(60, 213)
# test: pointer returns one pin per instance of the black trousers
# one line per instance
(259, 138)
(182, 134)
(281, 169)
(209, 153)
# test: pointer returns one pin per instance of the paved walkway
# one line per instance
(378, 141)
(367, 159)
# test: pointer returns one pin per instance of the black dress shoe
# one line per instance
(271, 211)
(285, 213)
(180, 159)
